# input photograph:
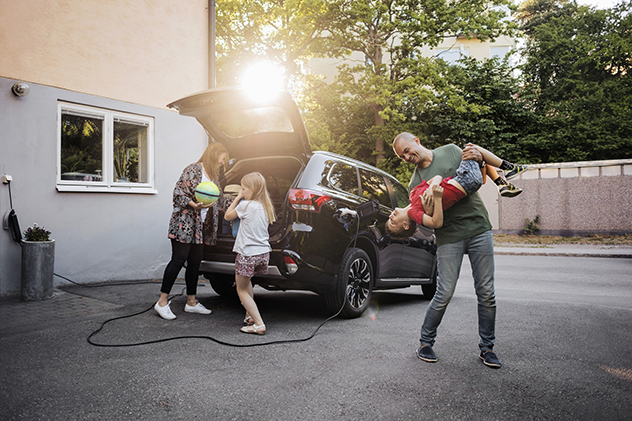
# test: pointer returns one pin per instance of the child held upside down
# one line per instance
(446, 192)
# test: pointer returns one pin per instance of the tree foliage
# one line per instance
(570, 102)
(577, 70)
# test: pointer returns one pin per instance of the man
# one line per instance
(466, 229)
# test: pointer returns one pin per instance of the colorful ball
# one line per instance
(207, 192)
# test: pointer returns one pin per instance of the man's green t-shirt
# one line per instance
(468, 217)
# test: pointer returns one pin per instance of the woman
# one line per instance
(192, 225)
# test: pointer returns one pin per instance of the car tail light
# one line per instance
(307, 200)
(291, 265)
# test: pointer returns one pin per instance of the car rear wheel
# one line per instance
(223, 284)
(354, 285)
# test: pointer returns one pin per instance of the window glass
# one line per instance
(104, 149)
(130, 152)
(81, 146)
(402, 198)
(374, 187)
(451, 55)
(241, 123)
(344, 177)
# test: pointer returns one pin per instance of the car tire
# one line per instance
(354, 285)
(429, 290)
(223, 284)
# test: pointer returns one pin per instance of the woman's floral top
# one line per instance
(186, 225)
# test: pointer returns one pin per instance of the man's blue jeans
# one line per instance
(480, 250)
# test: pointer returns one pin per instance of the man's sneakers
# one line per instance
(509, 190)
(426, 354)
(490, 359)
(197, 308)
(165, 312)
(517, 169)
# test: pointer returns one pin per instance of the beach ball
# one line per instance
(207, 192)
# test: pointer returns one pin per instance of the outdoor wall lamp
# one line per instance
(21, 89)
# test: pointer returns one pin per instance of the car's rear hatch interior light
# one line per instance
(307, 200)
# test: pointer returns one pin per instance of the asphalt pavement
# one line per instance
(63, 322)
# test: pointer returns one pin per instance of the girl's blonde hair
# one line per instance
(210, 159)
(257, 183)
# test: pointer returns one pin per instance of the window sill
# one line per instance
(106, 189)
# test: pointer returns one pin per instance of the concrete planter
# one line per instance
(38, 265)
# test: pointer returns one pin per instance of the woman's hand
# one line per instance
(199, 205)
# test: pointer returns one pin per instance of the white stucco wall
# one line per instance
(144, 52)
(98, 236)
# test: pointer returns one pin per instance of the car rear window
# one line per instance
(343, 177)
(240, 123)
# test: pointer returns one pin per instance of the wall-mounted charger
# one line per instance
(6, 179)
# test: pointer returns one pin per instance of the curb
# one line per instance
(627, 254)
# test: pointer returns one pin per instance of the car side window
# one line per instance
(374, 187)
(343, 177)
(401, 195)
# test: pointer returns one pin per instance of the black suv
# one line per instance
(319, 242)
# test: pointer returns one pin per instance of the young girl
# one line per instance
(255, 210)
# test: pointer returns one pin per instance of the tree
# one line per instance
(283, 31)
(577, 69)
(385, 34)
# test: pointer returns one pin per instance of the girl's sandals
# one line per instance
(249, 321)
(257, 330)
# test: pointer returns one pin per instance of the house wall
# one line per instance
(572, 198)
(144, 52)
(98, 236)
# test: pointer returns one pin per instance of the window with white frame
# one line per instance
(500, 52)
(451, 55)
(104, 150)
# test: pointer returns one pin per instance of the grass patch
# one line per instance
(605, 240)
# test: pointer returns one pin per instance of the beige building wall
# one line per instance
(474, 47)
(119, 49)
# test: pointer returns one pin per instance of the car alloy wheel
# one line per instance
(354, 284)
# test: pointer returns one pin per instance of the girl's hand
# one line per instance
(437, 192)
(427, 200)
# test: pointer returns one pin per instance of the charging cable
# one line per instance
(210, 338)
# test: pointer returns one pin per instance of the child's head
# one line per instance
(399, 225)
(254, 185)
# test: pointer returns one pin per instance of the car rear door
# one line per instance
(246, 126)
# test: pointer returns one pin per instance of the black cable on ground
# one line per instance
(210, 338)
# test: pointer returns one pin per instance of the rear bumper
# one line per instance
(229, 268)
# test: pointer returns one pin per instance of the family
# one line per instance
(443, 196)
(188, 231)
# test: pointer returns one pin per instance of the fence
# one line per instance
(571, 198)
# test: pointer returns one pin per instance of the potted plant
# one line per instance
(38, 264)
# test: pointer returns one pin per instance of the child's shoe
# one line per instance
(509, 190)
(517, 169)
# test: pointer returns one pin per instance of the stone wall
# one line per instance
(573, 198)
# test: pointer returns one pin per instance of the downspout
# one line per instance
(211, 44)
(211, 50)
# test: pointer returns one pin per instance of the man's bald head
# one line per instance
(408, 147)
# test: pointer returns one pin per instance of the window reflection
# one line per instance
(374, 187)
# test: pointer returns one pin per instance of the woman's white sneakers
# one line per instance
(197, 308)
(165, 312)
